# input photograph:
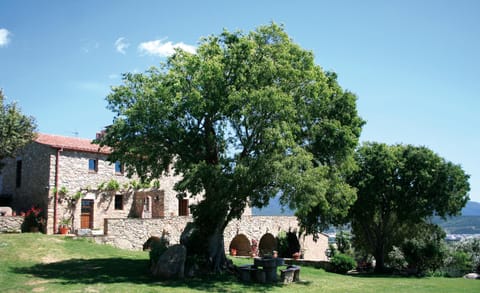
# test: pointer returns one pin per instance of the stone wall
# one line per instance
(132, 233)
(33, 189)
(11, 224)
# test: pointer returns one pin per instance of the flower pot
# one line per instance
(63, 230)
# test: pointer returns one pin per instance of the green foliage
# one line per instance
(101, 186)
(78, 195)
(282, 244)
(342, 263)
(247, 116)
(155, 183)
(332, 250)
(287, 244)
(343, 240)
(396, 259)
(16, 129)
(471, 248)
(65, 222)
(63, 191)
(425, 250)
(112, 185)
(139, 185)
(457, 264)
(398, 187)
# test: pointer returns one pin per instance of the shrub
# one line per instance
(342, 263)
(426, 250)
(457, 264)
(113, 185)
(287, 244)
(396, 259)
(472, 248)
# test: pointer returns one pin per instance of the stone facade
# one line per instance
(11, 224)
(132, 233)
(41, 175)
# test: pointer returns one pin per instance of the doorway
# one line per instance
(86, 216)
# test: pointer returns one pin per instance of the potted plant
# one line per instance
(34, 220)
(254, 248)
(64, 226)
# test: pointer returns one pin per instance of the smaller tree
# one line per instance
(16, 129)
(343, 240)
(398, 188)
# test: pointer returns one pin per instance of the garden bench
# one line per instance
(290, 274)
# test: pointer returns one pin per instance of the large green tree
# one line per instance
(399, 188)
(247, 117)
(16, 129)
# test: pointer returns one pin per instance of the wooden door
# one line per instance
(86, 216)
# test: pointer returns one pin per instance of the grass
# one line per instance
(35, 262)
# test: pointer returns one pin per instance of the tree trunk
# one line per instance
(217, 259)
(379, 259)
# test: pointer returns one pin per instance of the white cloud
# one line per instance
(164, 49)
(4, 39)
(121, 45)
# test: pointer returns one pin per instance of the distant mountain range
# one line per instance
(471, 209)
(467, 223)
(275, 209)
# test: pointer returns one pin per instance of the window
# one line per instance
(146, 204)
(19, 173)
(118, 168)
(119, 202)
(93, 165)
(183, 207)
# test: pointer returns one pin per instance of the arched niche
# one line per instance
(267, 244)
(241, 244)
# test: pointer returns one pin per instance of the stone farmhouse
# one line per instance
(72, 181)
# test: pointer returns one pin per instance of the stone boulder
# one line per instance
(171, 264)
(472, 276)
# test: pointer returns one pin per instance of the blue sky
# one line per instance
(413, 64)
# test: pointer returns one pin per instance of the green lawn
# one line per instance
(40, 263)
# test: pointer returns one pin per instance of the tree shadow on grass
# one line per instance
(123, 270)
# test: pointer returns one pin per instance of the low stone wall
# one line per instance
(11, 224)
(132, 233)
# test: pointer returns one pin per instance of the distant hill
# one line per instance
(467, 223)
(471, 209)
(273, 209)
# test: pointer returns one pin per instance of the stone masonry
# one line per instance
(132, 233)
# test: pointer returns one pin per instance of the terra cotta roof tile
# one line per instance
(71, 143)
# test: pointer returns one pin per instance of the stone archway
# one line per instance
(241, 243)
(267, 244)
